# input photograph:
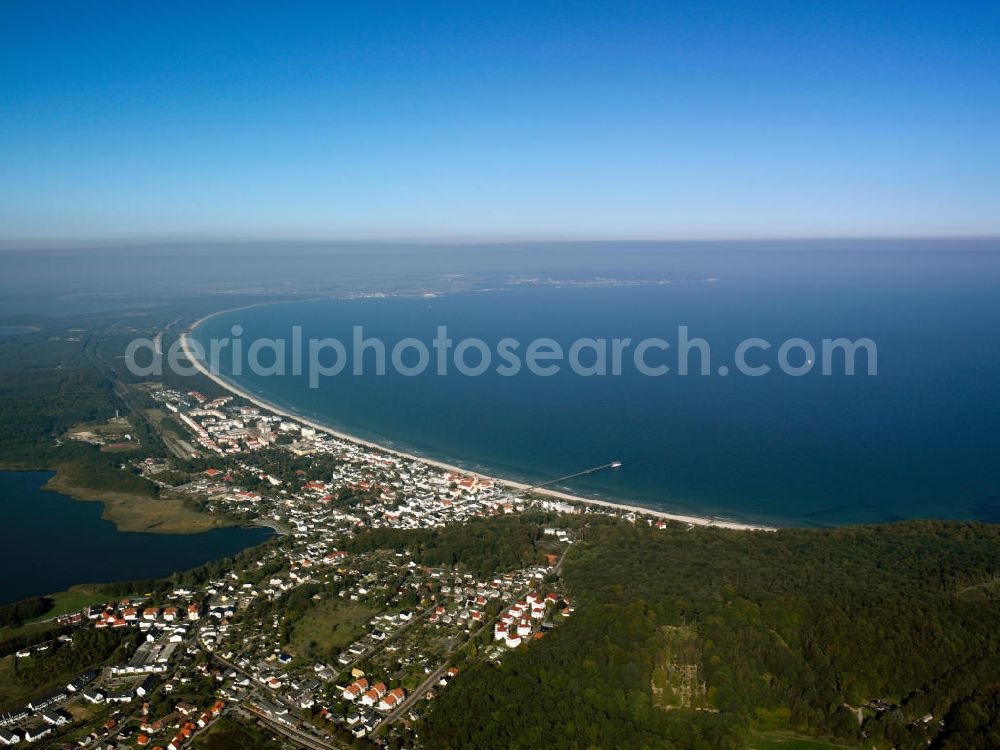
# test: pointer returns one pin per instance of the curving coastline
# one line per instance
(509, 483)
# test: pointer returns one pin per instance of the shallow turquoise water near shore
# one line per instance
(917, 440)
(52, 542)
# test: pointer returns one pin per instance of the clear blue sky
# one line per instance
(499, 119)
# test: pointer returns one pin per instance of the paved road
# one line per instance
(431, 680)
(557, 569)
(379, 645)
(303, 738)
(296, 735)
(436, 674)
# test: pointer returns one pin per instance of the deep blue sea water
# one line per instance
(52, 542)
(920, 439)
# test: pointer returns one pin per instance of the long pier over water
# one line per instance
(591, 470)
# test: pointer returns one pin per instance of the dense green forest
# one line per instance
(64, 660)
(18, 613)
(480, 546)
(69, 373)
(37, 406)
(47, 385)
(974, 722)
(795, 629)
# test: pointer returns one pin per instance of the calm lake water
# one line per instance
(52, 542)
(920, 439)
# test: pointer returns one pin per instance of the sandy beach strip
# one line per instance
(509, 483)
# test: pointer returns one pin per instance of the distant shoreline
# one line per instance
(510, 483)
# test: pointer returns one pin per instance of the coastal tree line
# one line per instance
(796, 630)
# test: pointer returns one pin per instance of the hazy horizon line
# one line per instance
(138, 241)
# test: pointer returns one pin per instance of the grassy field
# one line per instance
(73, 600)
(11, 693)
(14, 694)
(26, 629)
(230, 734)
(137, 513)
(790, 741)
(81, 711)
(64, 602)
(329, 627)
